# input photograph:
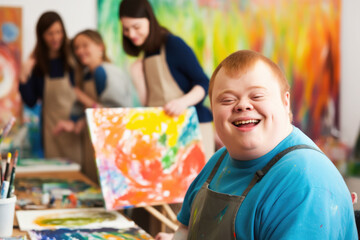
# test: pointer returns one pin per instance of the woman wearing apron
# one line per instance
(169, 75)
(48, 76)
(100, 84)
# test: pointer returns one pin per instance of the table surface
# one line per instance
(69, 175)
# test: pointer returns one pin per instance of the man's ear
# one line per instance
(287, 101)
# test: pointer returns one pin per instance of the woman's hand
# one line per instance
(69, 126)
(180, 234)
(175, 107)
(64, 126)
(79, 125)
(164, 236)
(26, 69)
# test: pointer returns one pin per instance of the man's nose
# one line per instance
(243, 105)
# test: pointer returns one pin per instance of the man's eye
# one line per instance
(257, 97)
(227, 101)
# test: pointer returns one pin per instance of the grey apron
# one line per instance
(204, 220)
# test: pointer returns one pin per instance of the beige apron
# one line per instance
(88, 166)
(59, 98)
(162, 88)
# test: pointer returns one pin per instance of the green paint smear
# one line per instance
(79, 221)
(170, 157)
(163, 139)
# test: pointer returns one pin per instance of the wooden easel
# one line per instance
(169, 220)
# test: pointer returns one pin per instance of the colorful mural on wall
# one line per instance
(145, 157)
(304, 43)
(10, 60)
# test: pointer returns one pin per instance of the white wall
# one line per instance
(77, 16)
(350, 71)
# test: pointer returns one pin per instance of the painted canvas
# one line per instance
(145, 157)
(133, 233)
(10, 60)
(71, 218)
(276, 28)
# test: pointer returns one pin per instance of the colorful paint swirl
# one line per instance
(144, 156)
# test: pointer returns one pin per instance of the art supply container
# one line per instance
(7, 212)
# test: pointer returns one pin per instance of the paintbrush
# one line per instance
(12, 176)
(1, 136)
(8, 127)
(4, 131)
(6, 174)
(5, 183)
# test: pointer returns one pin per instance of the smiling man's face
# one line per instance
(251, 115)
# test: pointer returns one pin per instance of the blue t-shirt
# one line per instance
(303, 196)
(33, 89)
(186, 71)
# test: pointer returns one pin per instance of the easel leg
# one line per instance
(161, 217)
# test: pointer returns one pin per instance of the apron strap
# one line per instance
(217, 165)
(261, 173)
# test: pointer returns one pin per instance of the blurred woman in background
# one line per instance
(169, 74)
(48, 76)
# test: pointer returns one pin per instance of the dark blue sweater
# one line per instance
(33, 89)
(186, 71)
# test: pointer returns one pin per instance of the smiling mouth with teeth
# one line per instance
(246, 122)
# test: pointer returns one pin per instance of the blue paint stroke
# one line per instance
(190, 131)
(221, 214)
(85, 234)
(116, 181)
(10, 32)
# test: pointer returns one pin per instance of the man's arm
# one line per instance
(181, 233)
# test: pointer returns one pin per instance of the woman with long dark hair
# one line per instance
(169, 75)
(48, 76)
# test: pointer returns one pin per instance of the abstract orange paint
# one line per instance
(145, 157)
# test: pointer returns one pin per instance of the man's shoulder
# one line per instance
(306, 168)
(307, 156)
